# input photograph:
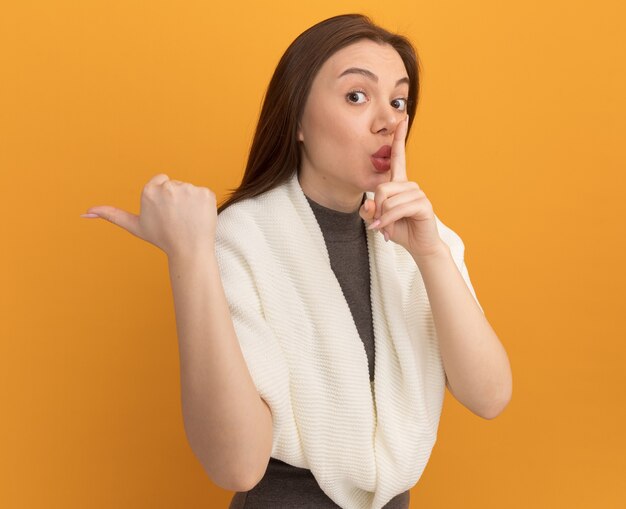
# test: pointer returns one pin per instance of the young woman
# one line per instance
(324, 307)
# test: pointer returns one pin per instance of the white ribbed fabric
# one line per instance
(308, 362)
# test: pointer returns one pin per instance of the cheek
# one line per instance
(334, 131)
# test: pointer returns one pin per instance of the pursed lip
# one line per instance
(384, 151)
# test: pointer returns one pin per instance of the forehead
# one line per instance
(382, 59)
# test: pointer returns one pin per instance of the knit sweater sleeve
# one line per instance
(261, 350)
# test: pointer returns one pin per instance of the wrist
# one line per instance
(437, 252)
(191, 255)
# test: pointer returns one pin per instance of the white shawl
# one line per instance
(363, 443)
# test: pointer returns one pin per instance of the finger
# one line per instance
(398, 156)
(401, 197)
(367, 210)
(396, 213)
(385, 192)
(119, 217)
(158, 179)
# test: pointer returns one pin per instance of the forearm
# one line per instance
(227, 423)
(474, 359)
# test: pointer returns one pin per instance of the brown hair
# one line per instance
(275, 152)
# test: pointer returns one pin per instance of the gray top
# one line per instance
(344, 234)
(285, 486)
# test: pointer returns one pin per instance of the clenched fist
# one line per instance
(175, 216)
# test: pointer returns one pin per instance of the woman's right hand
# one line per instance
(175, 216)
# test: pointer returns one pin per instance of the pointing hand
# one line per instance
(175, 216)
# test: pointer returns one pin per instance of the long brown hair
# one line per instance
(275, 152)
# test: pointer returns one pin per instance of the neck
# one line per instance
(330, 196)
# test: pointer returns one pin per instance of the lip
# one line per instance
(381, 159)
(384, 151)
(381, 164)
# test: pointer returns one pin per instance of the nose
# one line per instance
(386, 119)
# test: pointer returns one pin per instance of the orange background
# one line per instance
(518, 142)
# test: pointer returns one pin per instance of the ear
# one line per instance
(299, 134)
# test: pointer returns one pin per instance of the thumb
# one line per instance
(119, 217)
(368, 210)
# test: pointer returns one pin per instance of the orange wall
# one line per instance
(518, 143)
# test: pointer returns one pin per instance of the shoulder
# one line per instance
(238, 241)
(240, 214)
(256, 212)
(453, 241)
(249, 221)
(449, 236)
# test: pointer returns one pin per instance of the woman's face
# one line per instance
(356, 101)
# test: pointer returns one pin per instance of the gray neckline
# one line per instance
(340, 225)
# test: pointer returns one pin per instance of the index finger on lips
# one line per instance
(398, 156)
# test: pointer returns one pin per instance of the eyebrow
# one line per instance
(369, 74)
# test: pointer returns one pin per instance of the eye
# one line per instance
(400, 103)
(354, 95)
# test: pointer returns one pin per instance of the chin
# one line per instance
(376, 179)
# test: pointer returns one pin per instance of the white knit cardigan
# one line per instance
(363, 443)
